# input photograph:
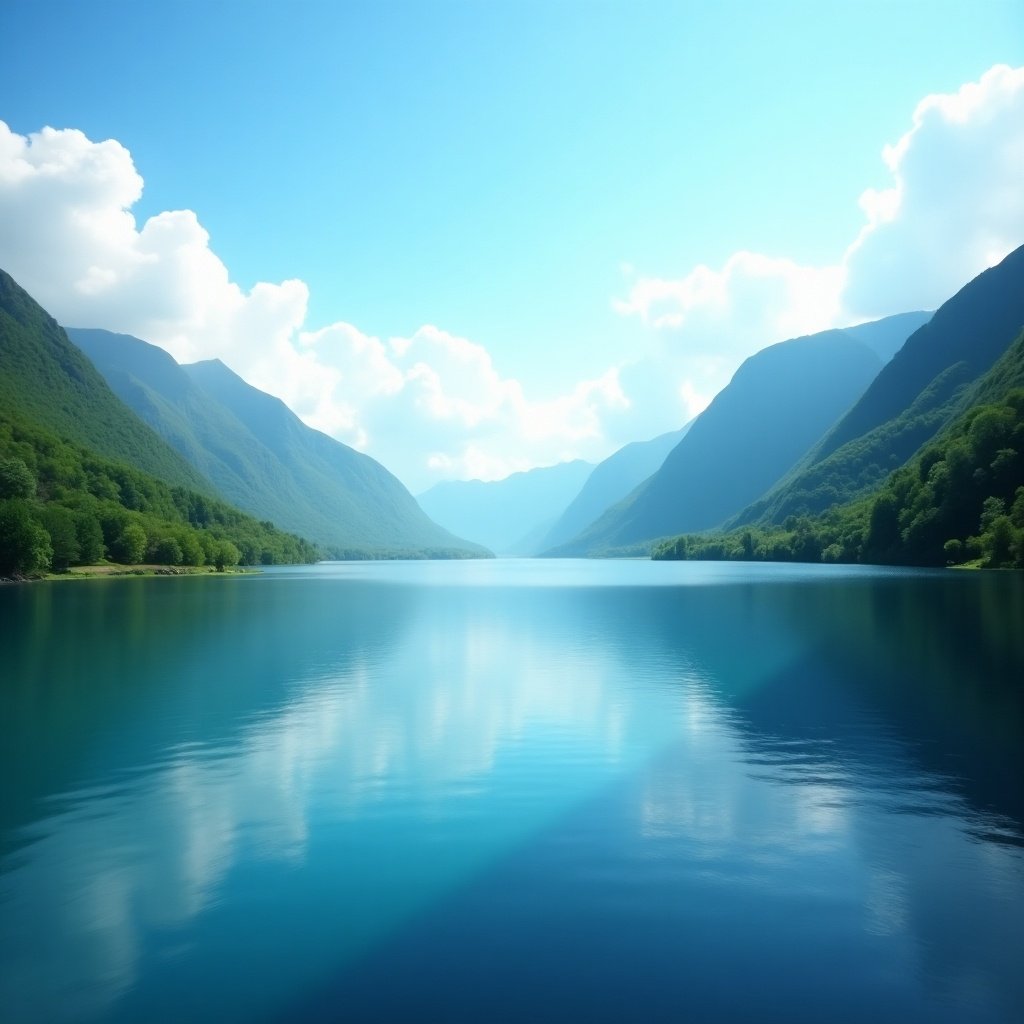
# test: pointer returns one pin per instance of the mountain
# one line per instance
(263, 457)
(778, 403)
(959, 499)
(509, 516)
(46, 381)
(917, 394)
(83, 479)
(610, 482)
(888, 335)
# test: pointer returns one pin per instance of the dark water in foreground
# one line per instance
(511, 791)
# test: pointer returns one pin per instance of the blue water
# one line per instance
(514, 791)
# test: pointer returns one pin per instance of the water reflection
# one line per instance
(250, 797)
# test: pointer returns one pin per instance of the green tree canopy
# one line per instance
(24, 545)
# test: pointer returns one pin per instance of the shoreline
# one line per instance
(110, 571)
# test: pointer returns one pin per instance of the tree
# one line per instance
(225, 555)
(1017, 509)
(166, 551)
(16, 479)
(90, 538)
(24, 545)
(997, 543)
(833, 553)
(989, 431)
(59, 523)
(191, 550)
(130, 546)
(883, 529)
(991, 509)
(747, 542)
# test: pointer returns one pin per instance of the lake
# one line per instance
(514, 791)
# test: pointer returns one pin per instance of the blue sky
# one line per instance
(510, 177)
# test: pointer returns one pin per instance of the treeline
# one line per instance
(960, 500)
(62, 505)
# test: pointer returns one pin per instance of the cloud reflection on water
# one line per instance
(398, 764)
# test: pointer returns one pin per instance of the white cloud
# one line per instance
(751, 292)
(714, 319)
(955, 206)
(429, 403)
(69, 238)
(434, 404)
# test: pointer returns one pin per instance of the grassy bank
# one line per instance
(107, 570)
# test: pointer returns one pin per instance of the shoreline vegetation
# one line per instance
(62, 506)
(959, 501)
(108, 570)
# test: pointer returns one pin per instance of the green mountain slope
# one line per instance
(64, 501)
(339, 497)
(610, 482)
(778, 403)
(47, 381)
(63, 505)
(511, 515)
(917, 393)
(160, 392)
(960, 498)
(263, 457)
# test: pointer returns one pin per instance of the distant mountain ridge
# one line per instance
(509, 516)
(920, 391)
(888, 335)
(610, 482)
(264, 458)
(777, 405)
(959, 499)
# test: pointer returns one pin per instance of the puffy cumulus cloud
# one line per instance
(69, 237)
(955, 206)
(956, 202)
(426, 405)
(434, 405)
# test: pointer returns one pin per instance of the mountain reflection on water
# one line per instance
(527, 790)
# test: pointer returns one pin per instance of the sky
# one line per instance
(469, 238)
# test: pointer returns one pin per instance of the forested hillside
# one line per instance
(82, 479)
(960, 499)
(264, 458)
(920, 391)
(777, 405)
(51, 383)
(63, 505)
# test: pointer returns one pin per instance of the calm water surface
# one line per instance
(514, 791)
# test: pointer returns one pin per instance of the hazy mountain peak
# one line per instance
(777, 405)
(506, 515)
